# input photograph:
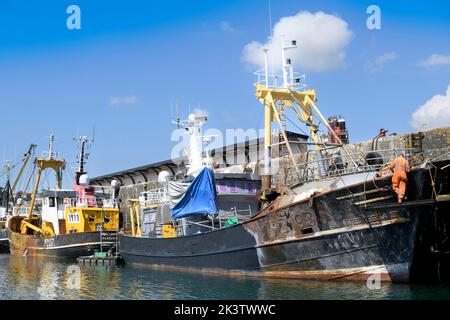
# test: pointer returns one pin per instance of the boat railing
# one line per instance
(239, 215)
(83, 202)
(182, 224)
(108, 203)
(86, 202)
(21, 211)
(338, 164)
(297, 80)
(217, 222)
(153, 197)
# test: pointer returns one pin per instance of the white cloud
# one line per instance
(436, 60)
(226, 26)
(380, 61)
(434, 113)
(123, 101)
(321, 42)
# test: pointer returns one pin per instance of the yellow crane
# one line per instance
(26, 158)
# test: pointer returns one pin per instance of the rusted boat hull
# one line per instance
(70, 245)
(349, 255)
(328, 236)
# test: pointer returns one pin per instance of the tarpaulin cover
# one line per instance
(200, 197)
(177, 190)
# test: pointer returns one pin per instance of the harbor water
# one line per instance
(37, 278)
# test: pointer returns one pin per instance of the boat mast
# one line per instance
(193, 125)
(290, 94)
(6, 192)
(81, 179)
(8, 189)
(82, 157)
(270, 94)
(81, 161)
(43, 163)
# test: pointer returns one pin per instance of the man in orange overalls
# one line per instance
(400, 166)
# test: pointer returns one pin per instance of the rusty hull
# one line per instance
(328, 236)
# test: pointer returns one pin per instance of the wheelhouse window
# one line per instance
(73, 218)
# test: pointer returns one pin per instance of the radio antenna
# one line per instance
(270, 20)
(93, 133)
(177, 110)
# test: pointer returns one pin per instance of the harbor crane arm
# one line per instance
(26, 224)
(24, 164)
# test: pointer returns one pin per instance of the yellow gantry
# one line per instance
(42, 164)
(277, 100)
(135, 218)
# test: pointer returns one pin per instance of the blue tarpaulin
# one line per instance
(200, 197)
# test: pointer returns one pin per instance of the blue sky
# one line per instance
(154, 52)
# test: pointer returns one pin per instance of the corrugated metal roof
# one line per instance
(172, 163)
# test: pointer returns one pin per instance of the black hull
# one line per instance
(4, 243)
(348, 255)
(325, 237)
(4, 246)
(70, 245)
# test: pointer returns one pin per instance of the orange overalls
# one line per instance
(400, 166)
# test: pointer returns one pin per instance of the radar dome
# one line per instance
(163, 176)
(115, 184)
(84, 180)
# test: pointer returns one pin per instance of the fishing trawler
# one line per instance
(70, 223)
(328, 212)
(5, 196)
(8, 204)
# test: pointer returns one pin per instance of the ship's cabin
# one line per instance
(68, 213)
(54, 204)
(63, 213)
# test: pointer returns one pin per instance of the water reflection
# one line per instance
(48, 282)
(36, 278)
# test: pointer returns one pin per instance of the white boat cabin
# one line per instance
(54, 203)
